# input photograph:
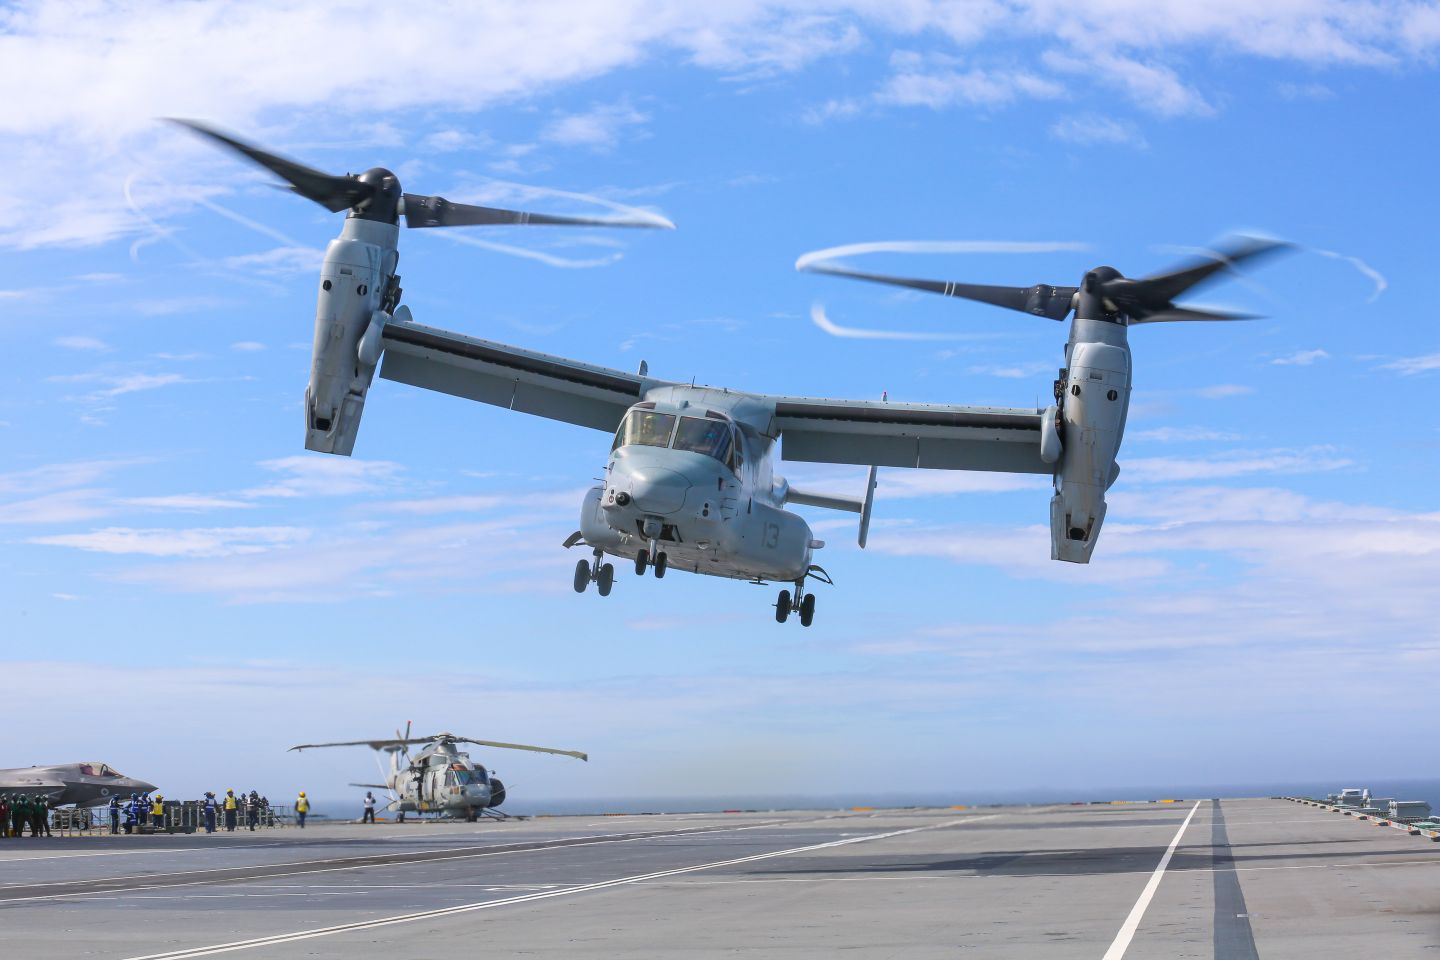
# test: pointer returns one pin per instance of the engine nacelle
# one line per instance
(357, 266)
(1097, 395)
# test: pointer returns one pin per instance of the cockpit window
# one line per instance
(710, 437)
(645, 427)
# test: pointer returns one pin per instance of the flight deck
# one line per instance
(1240, 879)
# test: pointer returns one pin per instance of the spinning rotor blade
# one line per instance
(331, 192)
(395, 744)
(1041, 300)
(521, 746)
(422, 211)
(1163, 287)
(1172, 314)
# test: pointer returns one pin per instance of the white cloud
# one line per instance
(65, 506)
(247, 346)
(1151, 86)
(1222, 391)
(1412, 365)
(277, 262)
(1233, 464)
(1302, 358)
(1090, 129)
(187, 502)
(1013, 371)
(322, 475)
(599, 128)
(82, 343)
(937, 83)
(1181, 435)
(52, 476)
(200, 542)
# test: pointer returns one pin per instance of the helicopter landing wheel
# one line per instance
(661, 562)
(807, 609)
(642, 560)
(782, 607)
(582, 576)
(605, 579)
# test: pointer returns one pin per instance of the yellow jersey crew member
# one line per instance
(232, 810)
(157, 812)
(302, 807)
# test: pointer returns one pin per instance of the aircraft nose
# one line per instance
(656, 489)
(140, 786)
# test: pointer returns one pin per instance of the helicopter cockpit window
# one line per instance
(645, 427)
(710, 437)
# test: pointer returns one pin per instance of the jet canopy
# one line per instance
(99, 770)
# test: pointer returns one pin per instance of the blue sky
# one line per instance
(175, 561)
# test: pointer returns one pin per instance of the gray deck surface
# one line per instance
(1248, 878)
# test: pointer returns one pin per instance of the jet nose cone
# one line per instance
(140, 786)
(657, 490)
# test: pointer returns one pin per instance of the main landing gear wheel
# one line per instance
(582, 576)
(807, 609)
(782, 607)
(605, 579)
(642, 560)
(661, 561)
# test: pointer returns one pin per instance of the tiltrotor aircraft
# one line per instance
(83, 784)
(1080, 432)
(440, 778)
(690, 480)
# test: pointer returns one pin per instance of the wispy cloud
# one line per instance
(1302, 358)
(1232, 464)
(1091, 129)
(938, 82)
(1413, 365)
(322, 475)
(199, 542)
(1182, 435)
(599, 128)
(247, 346)
(90, 344)
(1222, 391)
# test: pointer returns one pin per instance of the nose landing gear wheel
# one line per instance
(605, 579)
(807, 609)
(582, 576)
(642, 560)
(661, 561)
(782, 607)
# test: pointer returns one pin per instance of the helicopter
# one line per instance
(441, 778)
(691, 480)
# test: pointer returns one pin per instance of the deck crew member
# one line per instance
(231, 806)
(302, 807)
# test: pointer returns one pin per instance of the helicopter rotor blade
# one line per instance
(423, 211)
(522, 746)
(1040, 300)
(332, 192)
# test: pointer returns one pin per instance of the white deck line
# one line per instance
(1137, 912)
(193, 952)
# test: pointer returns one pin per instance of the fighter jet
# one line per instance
(83, 784)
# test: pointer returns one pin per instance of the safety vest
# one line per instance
(157, 809)
(229, 801)
(302, 805)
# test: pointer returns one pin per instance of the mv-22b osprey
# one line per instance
(441, 778)
(690, 482)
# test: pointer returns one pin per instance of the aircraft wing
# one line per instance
(523, 380)
(889, 434)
